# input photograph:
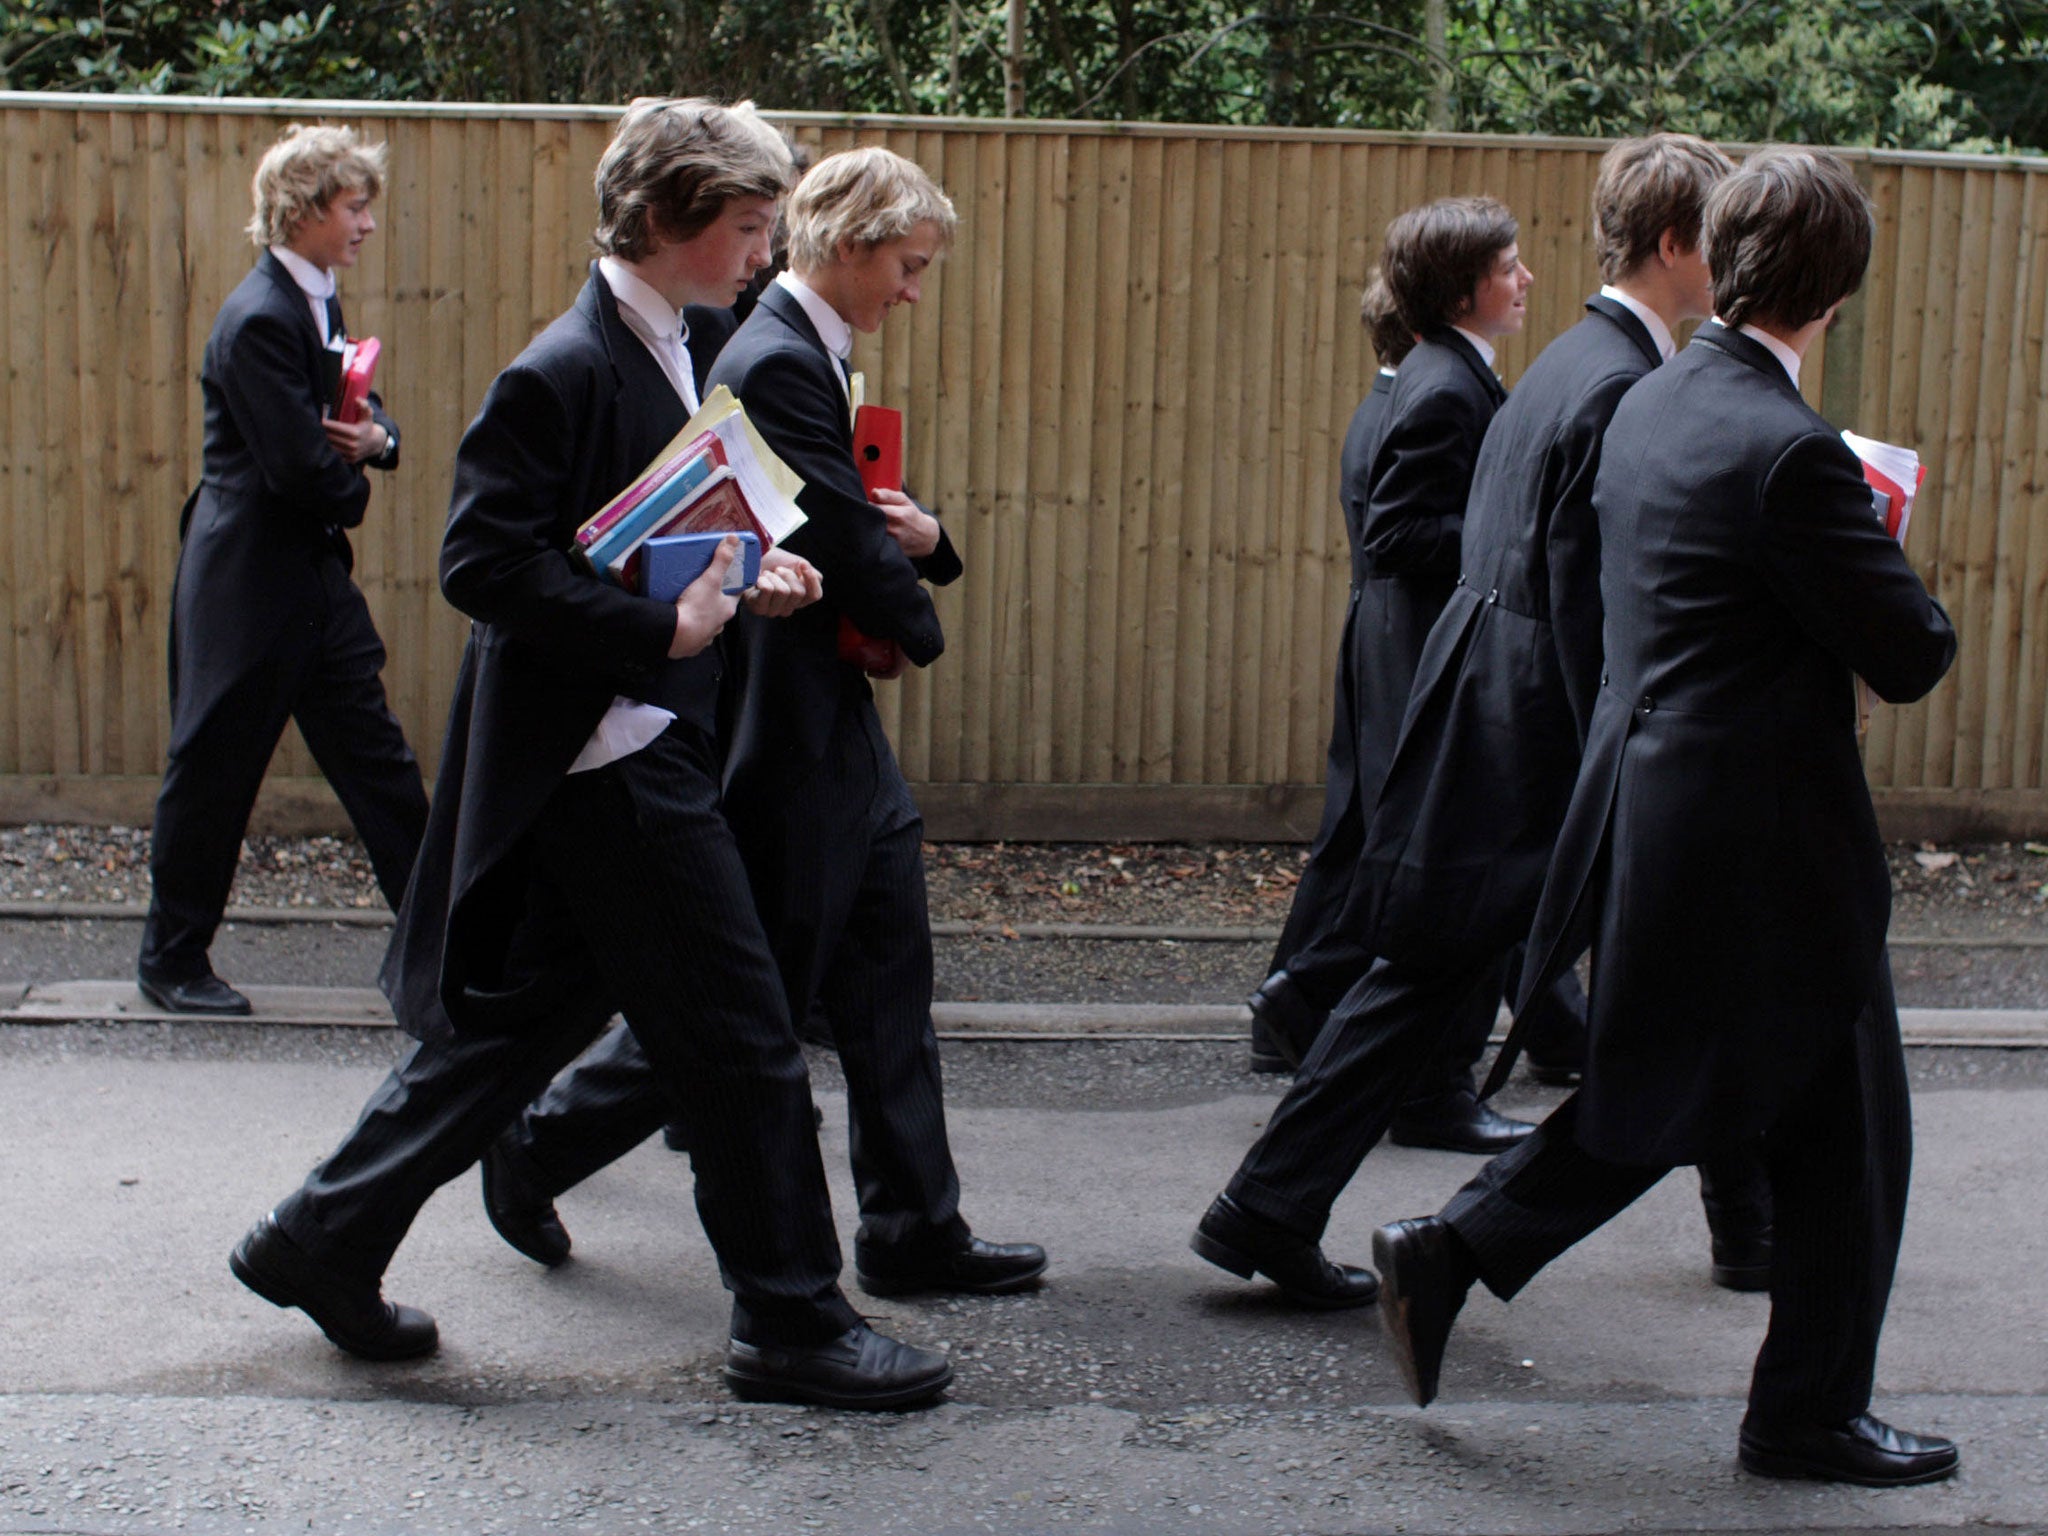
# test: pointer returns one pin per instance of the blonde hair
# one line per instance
(673, 165)
(865, 196)
(303, 172)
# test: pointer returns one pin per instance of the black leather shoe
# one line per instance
(859, 1369)
(353, 1313)
(1284, 1024)
(1742, 1260)
(1232, 1238)
(1423, 1281)
(195, 994)
(520, 1209)
(975, 1268)
(1865, 1450)
(675, 1137)
(1458, 1123)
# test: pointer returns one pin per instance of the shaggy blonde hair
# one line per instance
(866, 196)
(303, 172)
(673, 165)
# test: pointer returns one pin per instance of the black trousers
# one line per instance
(1838, 1160)
(837, 871)
(637, 901)
(1386, 1040)
(326, 676)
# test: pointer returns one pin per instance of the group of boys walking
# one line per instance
(687, 813)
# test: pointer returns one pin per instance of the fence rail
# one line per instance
(1125, 390)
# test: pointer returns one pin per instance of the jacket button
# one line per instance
(1494, 595)
(1461, 578)
(1603, 679)
(1648, 704)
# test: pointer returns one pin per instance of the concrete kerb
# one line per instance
(76, 1002)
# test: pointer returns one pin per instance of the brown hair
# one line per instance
(1645, 187)
(674, 164)
(1437, 255)
(1788, 237)
(303, 172)
(1389, 333)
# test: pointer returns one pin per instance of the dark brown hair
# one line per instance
(1389, 333)
(1788, 237)
(1437, 255)
(674, 164)
(1645, 187)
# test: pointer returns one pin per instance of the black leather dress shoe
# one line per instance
(1423, 1281)
(859, 1369)
(1232, 1238)
(520, 1209)
(1742, 1260)
(1457, 1123)
(1865, 1450)
(1284, 1024)
(975, 1268)
(195, 994)
(353, 1313)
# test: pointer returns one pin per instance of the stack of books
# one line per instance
(715, 476)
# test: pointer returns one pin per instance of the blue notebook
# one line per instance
(669, 564)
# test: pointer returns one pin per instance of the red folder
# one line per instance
(356, 379)
(878, 455)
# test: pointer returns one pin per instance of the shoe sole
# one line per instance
(1394, 1315)
(273, 1293)
(1242, 1265)
(775, 1389)
(1556, 1077)
(1423, 1142)
(1782, 1464)
(876, 1285)
(1270, 1061)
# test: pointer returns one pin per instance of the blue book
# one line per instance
(619, 539)
(667, 565)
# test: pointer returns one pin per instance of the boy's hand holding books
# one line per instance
(788, 582)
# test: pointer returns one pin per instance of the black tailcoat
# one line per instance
(790, 682)
(1333, 857)
(274, 497)
(1418, 472)
(1720, 842)
(1489, 750)
(567, 424)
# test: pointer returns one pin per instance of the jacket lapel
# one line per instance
(1631, 326)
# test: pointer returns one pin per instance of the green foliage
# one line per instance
(156, 47)
(1919, 73)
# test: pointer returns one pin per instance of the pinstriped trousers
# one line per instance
(638, 902)
(835, 861)
(1839, 1160)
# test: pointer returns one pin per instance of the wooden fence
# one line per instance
(1126, 388)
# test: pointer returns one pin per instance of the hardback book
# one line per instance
(671, 562)
(644, 507)
(716, 506)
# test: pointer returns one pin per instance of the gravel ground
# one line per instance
(1994, 890)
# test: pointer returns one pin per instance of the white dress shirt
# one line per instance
(1660, 333)
(1784, 354)
(316, 283)
(1479, 344)
(630, 724)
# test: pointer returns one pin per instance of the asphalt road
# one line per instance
(142, 1390)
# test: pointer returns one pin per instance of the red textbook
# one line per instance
(358, 373)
